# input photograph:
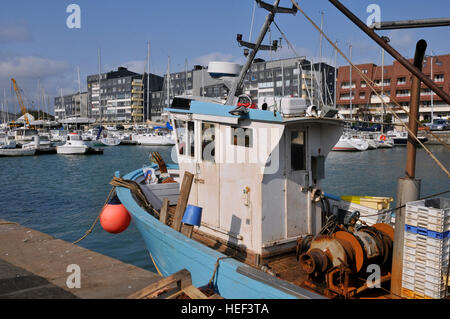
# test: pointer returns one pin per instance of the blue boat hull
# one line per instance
(171, 252)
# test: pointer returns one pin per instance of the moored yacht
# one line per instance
(74, 145)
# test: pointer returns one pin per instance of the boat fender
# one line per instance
(383, 137)
(115, 218)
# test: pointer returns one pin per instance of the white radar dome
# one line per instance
(222, 69)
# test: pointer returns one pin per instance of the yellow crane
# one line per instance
(19, 98)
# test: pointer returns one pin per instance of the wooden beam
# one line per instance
(164, 216)
(183, 198)
(194, 293)
(187, 230)
(181, 278)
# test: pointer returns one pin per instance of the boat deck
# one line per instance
(284, 266)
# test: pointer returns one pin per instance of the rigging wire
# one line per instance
(297, 55)
(371, 85)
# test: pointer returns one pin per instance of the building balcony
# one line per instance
(136, 114)
(137, 83)
(137, 91)
(137, 99)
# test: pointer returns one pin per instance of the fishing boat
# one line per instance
(245, 219)
(74, 145)
(350, 142)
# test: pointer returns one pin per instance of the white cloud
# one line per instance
(14, 32)
(30, 67)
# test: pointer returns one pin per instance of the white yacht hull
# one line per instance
(12, 152)
(351, 144)
(72, 150)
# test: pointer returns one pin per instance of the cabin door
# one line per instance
(297, 177)
(207, 173)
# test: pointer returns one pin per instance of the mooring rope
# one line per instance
(210, 283)
(97, 219)
(369, 82)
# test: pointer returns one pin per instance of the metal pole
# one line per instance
(414, 110)
(408, 186)
(408, 24)
(410, 67)
(335, 75)
(149, 113)
(432, 93)
(237, 84)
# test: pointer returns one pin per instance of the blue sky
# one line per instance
(35, 42)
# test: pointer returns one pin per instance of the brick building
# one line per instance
(355, 98)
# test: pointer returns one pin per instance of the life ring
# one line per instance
(383, 137)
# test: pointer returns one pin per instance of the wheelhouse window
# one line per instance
(298, 150)
(242, 136)
(208, 142)
(191, 139)
(180, 127)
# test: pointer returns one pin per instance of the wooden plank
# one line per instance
(164, 216)
(164, 186)
(187, 230)
(181, 278)
(215, 296)
(194, 293)
(182, 200)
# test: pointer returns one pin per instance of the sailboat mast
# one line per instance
(79, 86)
(6, 105)
(335, 74)
(168, 82)
(149, 113)
(351, 103)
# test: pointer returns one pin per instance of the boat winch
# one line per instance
(336, 259)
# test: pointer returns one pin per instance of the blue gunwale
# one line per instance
(171, 251)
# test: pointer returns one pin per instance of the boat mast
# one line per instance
(168, 82)
(149, 113)
(335, 75)
(79, 87)
(273, 9)
(351, 85)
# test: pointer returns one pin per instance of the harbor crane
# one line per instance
(19, 98)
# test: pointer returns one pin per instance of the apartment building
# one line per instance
(121, 96)
(393, 82)
(72, 105)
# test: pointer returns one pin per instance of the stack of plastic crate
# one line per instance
(426, 249)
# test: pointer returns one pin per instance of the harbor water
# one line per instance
(63, 195)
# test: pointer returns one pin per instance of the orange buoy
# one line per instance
(115, 218)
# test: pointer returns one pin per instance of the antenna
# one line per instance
(255, 47)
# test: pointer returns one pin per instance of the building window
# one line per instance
(362, 96)
(208, 142)
(363, 84)
(401, 81)
(402, 93)
(364, 71)
(439, 78)
(242, 136)
(298, 150)
(346, 85)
